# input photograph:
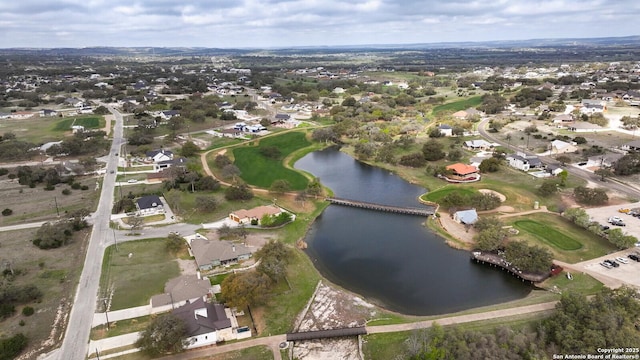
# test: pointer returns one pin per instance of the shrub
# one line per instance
(49, 187)
(66, 191)
(27, 311)
(84, 187)
(4, 171)
(7, 212)
(11, 347)
(76, 186)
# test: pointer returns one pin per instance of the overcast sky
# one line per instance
(282, 23)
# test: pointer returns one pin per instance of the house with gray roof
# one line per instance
(207, 323)
(212, 253)
(182, 290)
(149, 205)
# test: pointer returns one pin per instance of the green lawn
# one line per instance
(548, 234)
(89, 122)
(592, 246)
(458, 105)
(135, 279)
(261, 171)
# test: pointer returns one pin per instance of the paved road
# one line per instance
(22, 226)
(581, 173)
(76, 339)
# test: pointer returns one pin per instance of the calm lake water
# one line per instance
(393, 260)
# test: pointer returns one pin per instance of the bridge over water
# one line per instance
(425, 211)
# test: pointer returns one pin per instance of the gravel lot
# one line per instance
(603, 213)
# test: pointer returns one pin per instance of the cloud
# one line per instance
(255, 23)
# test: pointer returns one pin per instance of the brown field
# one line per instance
(36, 204)
(55, 272)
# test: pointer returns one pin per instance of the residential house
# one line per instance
(48, 112)
(466, 114)
(553, 169)
(181, 290)
(149, 205)
(159, 155)
(461, 172)
(563, 118)
(523, 162)
(446, 130)
(478, 145)
(177, 162)
(584, 126)
(631, 146)
(593, 106)
(168, 114)
(604, 160)
(280, 118)
(561, 147)
(210, 254)
(466, 217)
(243, 216)
(207, 323)
(75, 102)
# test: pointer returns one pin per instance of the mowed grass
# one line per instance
(458, 105)
(260, 171)
(134, 280)
(89, 122)
(548, 234)
(593, 246)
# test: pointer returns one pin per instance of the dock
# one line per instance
(498, 261)
(426, 211)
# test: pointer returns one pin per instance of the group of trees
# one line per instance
(56, 234)
(615, 236)
(479, 201)
(12, 149)
(578, 326)
(81, 143)
(12, 295)
(590, 196)
(492, 236)
(251, 288)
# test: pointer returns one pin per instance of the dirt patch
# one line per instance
(332, 308)
(187, 267)
(489, 191)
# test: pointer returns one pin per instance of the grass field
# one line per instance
(548, 234)
(134, 280)
(458, 105)
(592, 246)
(261, 171)
(89, 122)
(259, 352)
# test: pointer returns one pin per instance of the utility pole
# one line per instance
(97, 354)
(56, 202)
(105, 312)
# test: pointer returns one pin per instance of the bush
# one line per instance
(27, 311)
(7, 212)
(11, 347)
(4, 171)
(66, 191)
(49, 187)
(84, 187)
(76, 186)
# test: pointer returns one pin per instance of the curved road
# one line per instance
(583, 174)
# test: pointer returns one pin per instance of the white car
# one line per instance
(131, 181)
(615, 219)
(622, 260)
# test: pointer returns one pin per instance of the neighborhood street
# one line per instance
(76, 339)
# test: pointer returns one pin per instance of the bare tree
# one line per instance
(135, 222)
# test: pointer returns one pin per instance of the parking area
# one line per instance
(625, 273)
(632, 224)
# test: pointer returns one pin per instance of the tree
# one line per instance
(414, 160)
(280, 186)
(230, 172)
(245, 289)
(12, 346)
(490, 239)
(548, 188)
(432, 151)
(53, 235)
(274, 257)
(164, 334)
(489, 165)
(603, 172)
(189, 149)
(174, 243)
(207, 183)
(590, 196)
(206, 203)
(564, 159)
(578, 216)
(221, 161)
(620, 240)
(240, 192)
(135, 222)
